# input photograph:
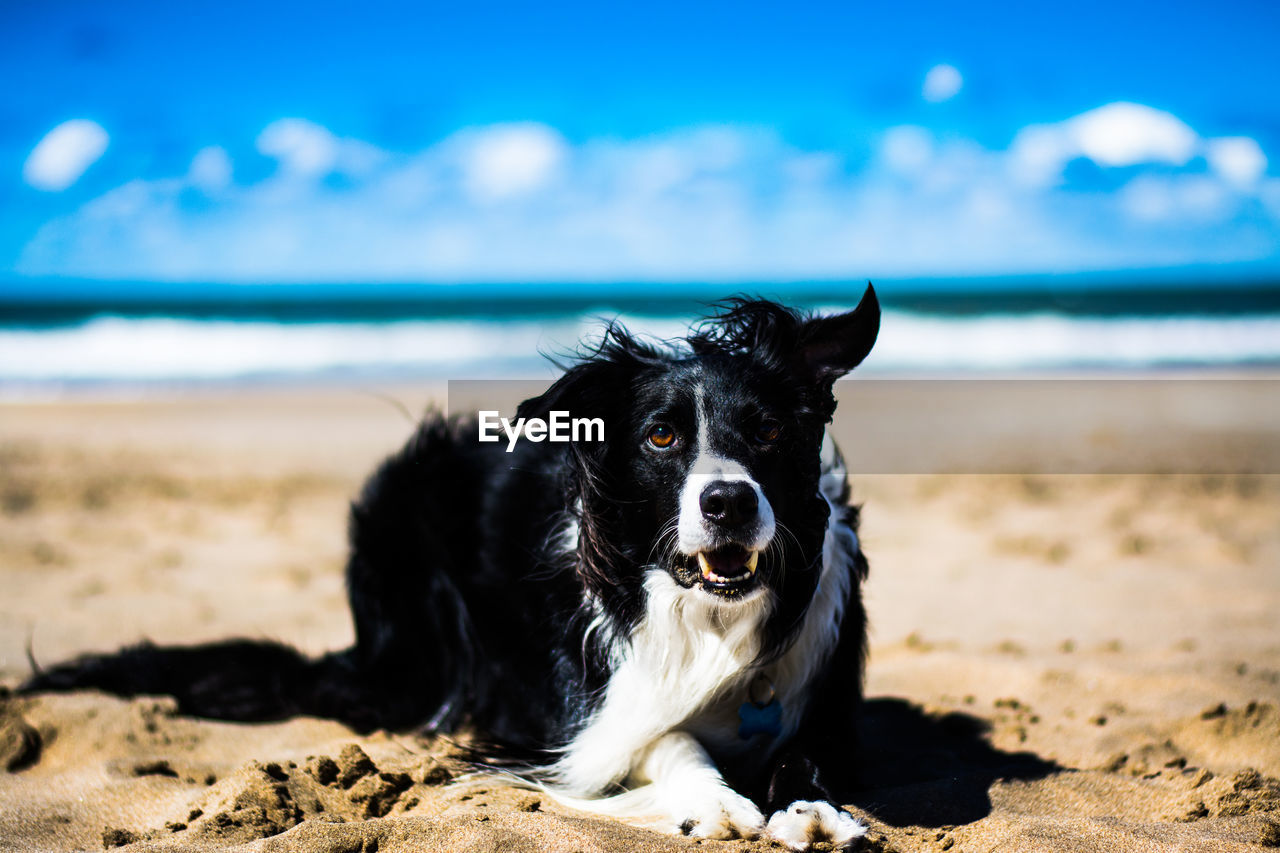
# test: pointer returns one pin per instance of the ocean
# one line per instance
(142, 335)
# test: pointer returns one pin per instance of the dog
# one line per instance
(664, 626)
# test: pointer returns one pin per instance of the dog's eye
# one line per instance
(768, 432)
(662, 436)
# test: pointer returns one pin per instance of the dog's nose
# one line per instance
(728, 503)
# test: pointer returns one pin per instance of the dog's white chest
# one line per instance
(688, 665)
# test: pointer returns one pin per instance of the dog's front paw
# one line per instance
(724, 814)
(806, 823)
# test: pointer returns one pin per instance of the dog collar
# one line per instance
(762, 712)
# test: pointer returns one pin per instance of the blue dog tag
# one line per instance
(759, 719)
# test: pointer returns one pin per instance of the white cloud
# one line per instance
(1269, 194)
(1118, 134)
(1177, 200)
(906, 149)
(63, 155)
(305, 149)
(301, 146)
(519, 202)
(1133, 135)
(1038, 154)
(1238, 159)
(1124, 134)
(210, 169)
(511, 159)
(942, 83)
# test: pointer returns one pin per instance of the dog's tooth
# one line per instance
(705, 565)
(711, 575)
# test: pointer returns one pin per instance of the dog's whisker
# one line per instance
(670, 531)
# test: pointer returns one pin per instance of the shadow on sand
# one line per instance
(918, 769)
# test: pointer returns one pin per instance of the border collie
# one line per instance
(665, 626)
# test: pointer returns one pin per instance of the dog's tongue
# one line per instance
(727, 561)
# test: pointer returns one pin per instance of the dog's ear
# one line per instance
(596, 388)
(829, 347)
(601, 377)
(586, 390)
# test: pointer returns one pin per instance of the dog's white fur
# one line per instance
(687, 649)
(694, 533)
(804, 822)
(681, 675)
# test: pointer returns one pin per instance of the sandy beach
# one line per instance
(1059, 661)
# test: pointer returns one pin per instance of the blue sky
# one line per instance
(507, 142)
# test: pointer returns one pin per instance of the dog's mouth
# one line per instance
(727, 571)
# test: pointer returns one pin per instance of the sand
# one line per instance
(1058, 661)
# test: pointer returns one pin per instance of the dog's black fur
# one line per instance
(500, 589)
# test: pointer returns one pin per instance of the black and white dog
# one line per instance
(665, 626)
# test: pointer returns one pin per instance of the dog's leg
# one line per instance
(678, 789)
(802, 808)
(693, 794)
(800, 802)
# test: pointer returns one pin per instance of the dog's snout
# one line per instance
(729, 503)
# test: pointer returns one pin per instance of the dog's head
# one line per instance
(710, 467)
